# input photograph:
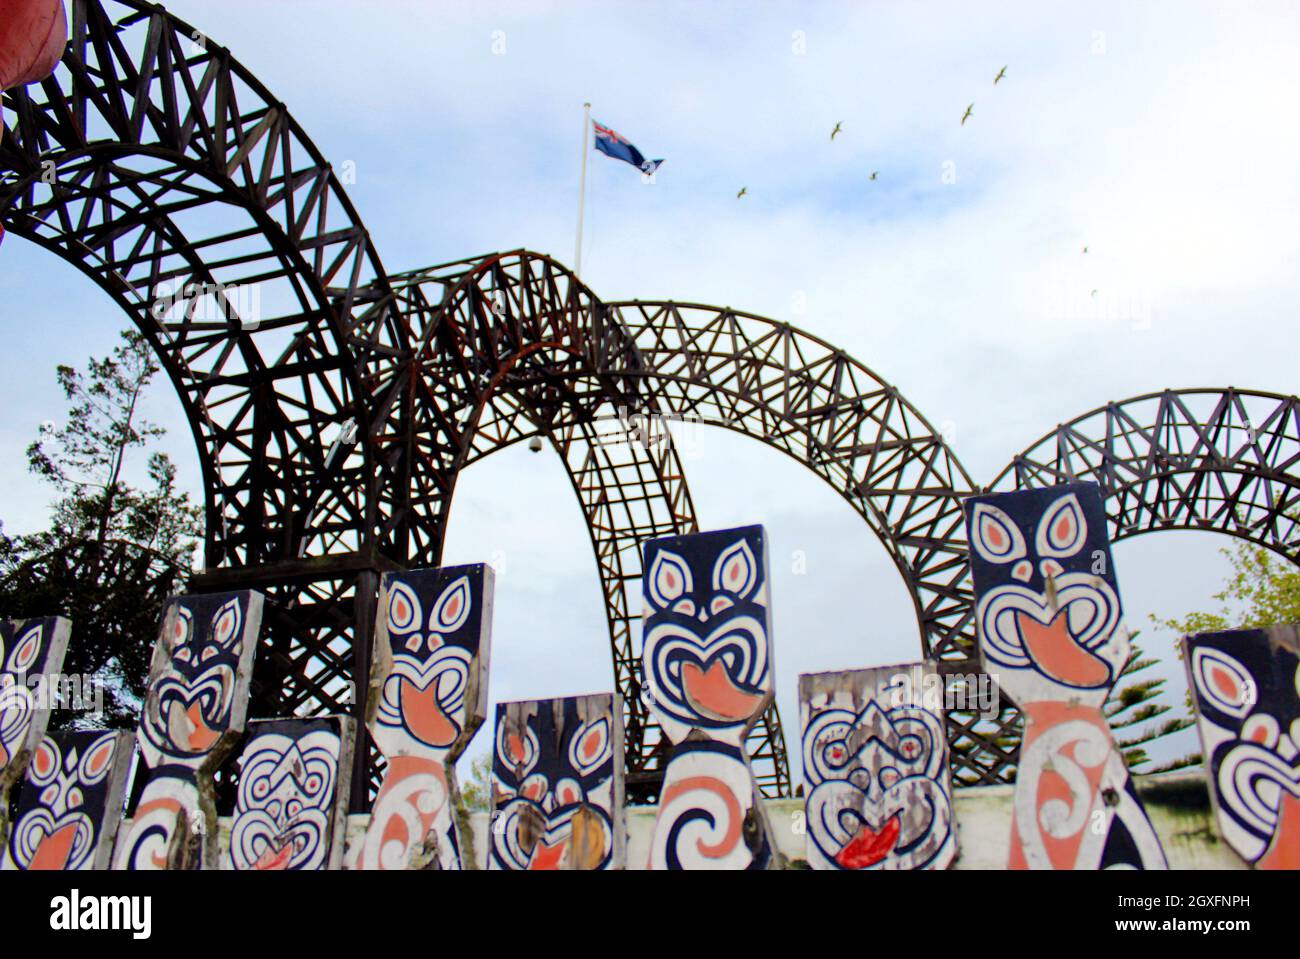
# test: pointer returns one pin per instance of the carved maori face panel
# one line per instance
(433, 646)
(876, 770)
(1047, 602)
(71, 802)
(1246, 685)
(293, 786)
(707, 652)
(28, 648)
(557, 784)
(198, 687)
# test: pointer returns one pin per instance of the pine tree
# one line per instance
(112, 553)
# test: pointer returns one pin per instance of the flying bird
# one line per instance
(967, 114)
(1001, 73)
(1085, 249)
(743, 191)
(839, 125)
(873, 174)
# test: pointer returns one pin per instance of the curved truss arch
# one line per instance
(1224, 460)
(159, 166)
(517, 347)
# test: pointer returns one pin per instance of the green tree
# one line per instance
(112, 552)
(1263, 590)
(1132, 713)
(474, 793)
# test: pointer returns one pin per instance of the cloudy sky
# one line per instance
(1163, 137)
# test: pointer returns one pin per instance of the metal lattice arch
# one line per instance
(334, 415)
(1221, 460)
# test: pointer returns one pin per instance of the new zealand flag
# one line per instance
(615, 145)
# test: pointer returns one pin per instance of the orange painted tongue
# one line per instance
(547, 857)
(424, 716)
(868, 847)
(1284, 852)
(54, 849)
(274, 860)
(202, 738)
(1057, 654)
(712, 692)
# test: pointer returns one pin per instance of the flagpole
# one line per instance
(582, 189)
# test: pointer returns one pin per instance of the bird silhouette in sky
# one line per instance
(873, 174)
(839, 125)
(967, 114)
(1085, 249)
(1001, 73)
(743, 191)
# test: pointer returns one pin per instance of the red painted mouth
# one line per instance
(424, 715)
(1057, 653)
(547, 857)
(54, 849)
(868, 847)
(712, 693)
(274, 860)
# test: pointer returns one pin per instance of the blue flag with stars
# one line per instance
(615, 145)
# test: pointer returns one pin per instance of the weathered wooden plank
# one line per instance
(428, 696)
(878, 794)
(1246, 687)
(557, 785)
(1050, 628)
(707, 677)
(193, 715)
(292, 806)
(70, 804)
(31, 651)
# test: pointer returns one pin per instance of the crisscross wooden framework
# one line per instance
(334, 406)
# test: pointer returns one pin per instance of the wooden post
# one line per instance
(1049, 619)
(707, 665)
(1246, 687)
(31, 653)
(557, 785)
(875, 761)
(70, 804)
(193, 714)
(364, 598)
(427, 698)
(294, 779)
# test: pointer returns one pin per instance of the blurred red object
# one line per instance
(32, 36)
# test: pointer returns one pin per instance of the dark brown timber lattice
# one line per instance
(333, 414)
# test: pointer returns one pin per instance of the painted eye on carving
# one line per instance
(669, 579)
(736, 571)
(994, 536)
(1222, 682)
(719, 603)
(97, 760)
(685, 606)
(910, 748)
(451, 611)
(44, 764)
(226, 623)
(403, 608)
(1062, 529)
(207, 654)
(836, 753)
(28, 648)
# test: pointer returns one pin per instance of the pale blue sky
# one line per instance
(1163, 136)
